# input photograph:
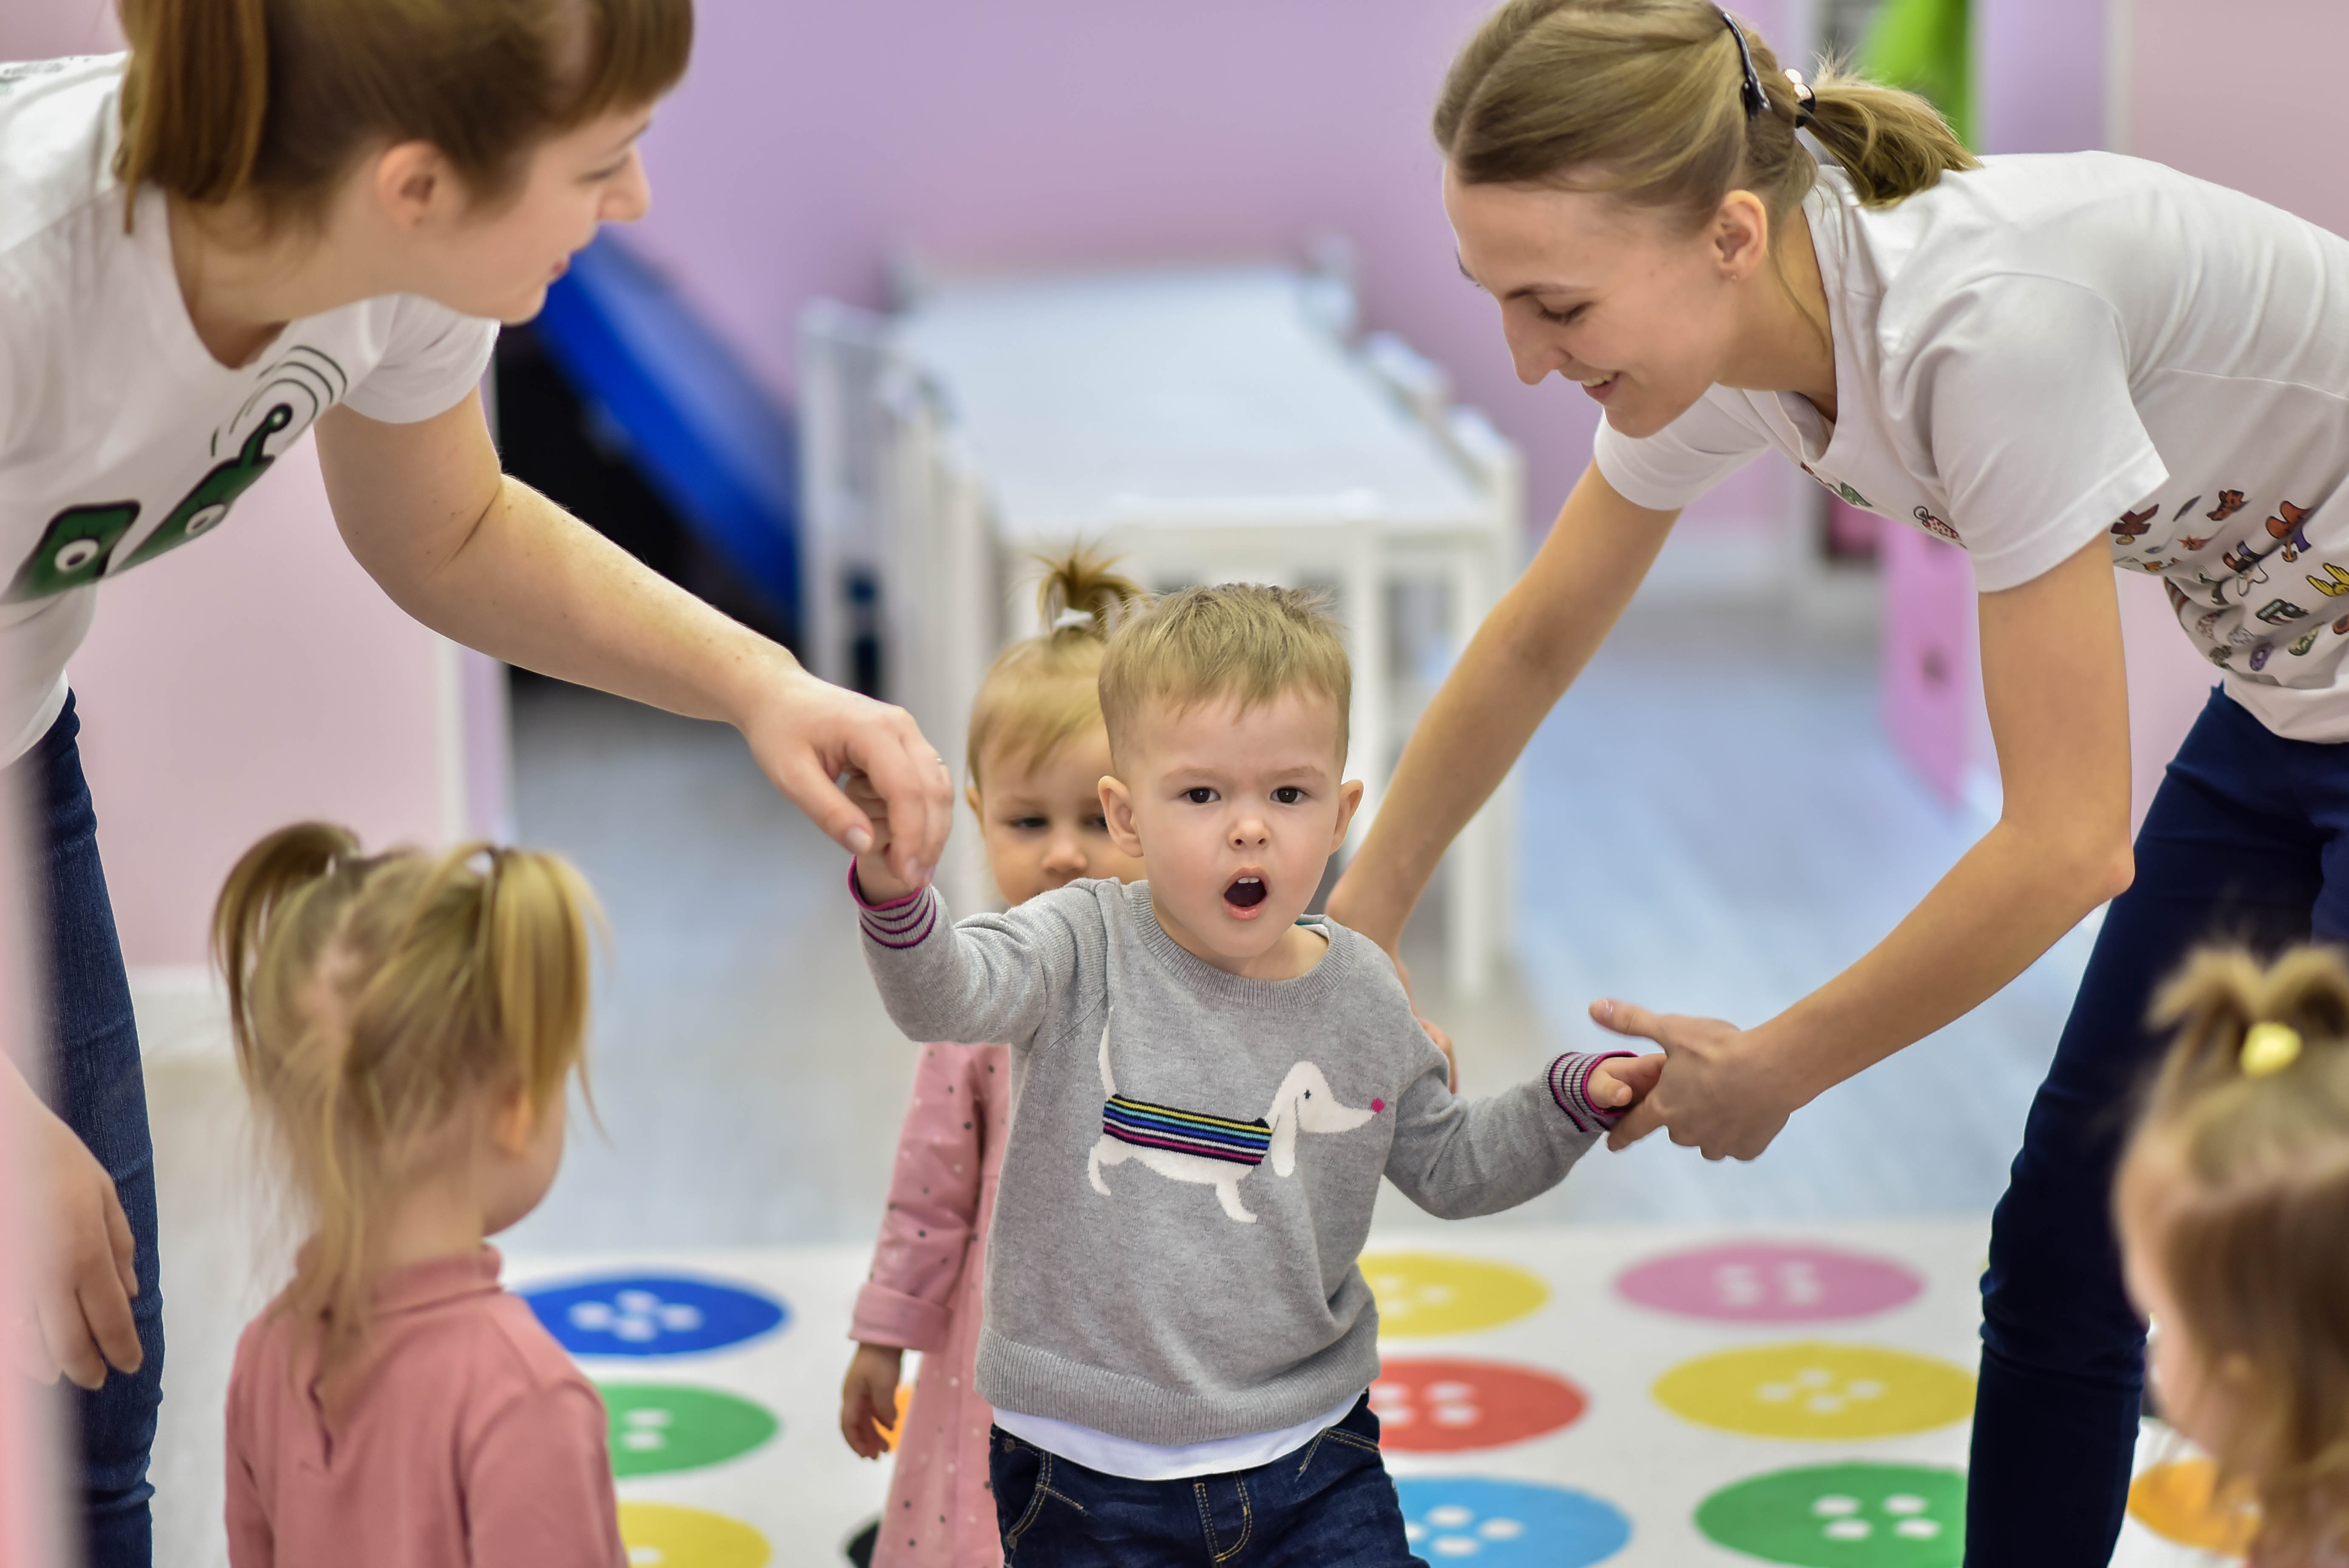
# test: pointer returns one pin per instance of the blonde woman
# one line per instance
(274, 215)
(2062, 363)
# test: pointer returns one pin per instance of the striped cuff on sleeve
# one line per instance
(903, 921)
(1569, 1084)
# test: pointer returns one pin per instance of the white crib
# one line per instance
(1204, 424)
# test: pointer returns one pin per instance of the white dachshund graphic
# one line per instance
(1187, 1146)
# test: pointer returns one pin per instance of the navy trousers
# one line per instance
(95, 1088)
(2247, 841)
(1327, 1505)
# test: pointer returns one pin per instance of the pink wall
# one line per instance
(810, 143)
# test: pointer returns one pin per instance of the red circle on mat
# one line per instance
(1437, 1406)
(1769, 1283)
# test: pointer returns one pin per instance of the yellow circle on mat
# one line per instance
(665, 1535)
(1421, 1295)
(1809, 1388)
(2173, 1500)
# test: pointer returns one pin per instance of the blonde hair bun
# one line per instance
(1043, 692)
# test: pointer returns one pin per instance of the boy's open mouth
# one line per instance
(1246, 893)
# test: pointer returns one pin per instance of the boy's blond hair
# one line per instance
(1044, 692)
(1239, 640)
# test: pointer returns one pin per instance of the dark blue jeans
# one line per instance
(2247, 841)
(96, 1089)
(1327, 1505)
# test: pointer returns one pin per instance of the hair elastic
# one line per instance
(2269, 1049)
(1805, 100)
(1750, 90)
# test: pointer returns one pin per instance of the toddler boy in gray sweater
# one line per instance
(1177, 1341)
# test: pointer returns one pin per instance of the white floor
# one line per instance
(1712, 823)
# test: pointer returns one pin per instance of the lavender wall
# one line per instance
(811, 142)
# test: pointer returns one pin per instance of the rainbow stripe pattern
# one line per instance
(1185, 1131)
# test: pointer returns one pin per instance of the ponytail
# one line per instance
(274, 101)
(194, 94)
(1891, 144)
(375, 1002)
(1647, 101)
(1041, 693)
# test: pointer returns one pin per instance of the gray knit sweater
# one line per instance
(1193, 1156)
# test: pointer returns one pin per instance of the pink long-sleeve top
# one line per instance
(465, 1435)
(928, 1270)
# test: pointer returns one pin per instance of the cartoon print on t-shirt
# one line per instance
(2276, 612)
(2230, 503)
(2285, 526)
(2260, 656)
(74, 550)
(2134, 524)
(2334, 583)
(1850, 495)
(78, 546)
(2307, 641)
(2183, 510)
(1935, 526)
(206, 505)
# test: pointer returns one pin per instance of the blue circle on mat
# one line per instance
(1508, 1524)
(653, 1315)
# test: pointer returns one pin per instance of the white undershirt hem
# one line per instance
(1118, 1456)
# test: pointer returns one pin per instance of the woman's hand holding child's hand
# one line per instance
(875, 880)
(1619, 1083)
(868, 1398)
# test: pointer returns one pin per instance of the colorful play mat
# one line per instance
(1550, 1398)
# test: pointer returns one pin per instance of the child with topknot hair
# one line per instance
(1178, 1343)
(1037, 755)
(2233, 1208)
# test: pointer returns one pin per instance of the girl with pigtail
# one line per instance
(407, 1025)
(1038, 750)
(2063, 363)
(271, 217)
(2232, 1201)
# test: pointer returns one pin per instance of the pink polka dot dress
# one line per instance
(923, 1295)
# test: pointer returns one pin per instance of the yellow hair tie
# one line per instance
(2270, 1048)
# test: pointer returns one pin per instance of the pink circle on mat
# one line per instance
(1763, 1282)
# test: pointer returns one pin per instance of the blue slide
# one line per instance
(700, 430)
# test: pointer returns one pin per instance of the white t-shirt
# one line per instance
(120, 436)
(2059, 346)
(1114, 1455)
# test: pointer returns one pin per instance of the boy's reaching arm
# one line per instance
(1456, 1157)
(992, 977)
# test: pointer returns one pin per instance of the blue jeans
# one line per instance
(97, 1088)
(2246, 841)
(1327, 1505)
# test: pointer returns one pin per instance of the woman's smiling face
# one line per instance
(1630, 305)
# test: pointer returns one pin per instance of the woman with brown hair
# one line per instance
(2063, 364)
(273, 215)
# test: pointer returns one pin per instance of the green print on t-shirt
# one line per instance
(74, 550)
(77, 547)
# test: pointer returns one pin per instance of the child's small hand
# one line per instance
(868, 1396)
(1619, 1083)
(873, 877)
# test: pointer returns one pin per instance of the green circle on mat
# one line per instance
(657, 1427)
(1843, 1516)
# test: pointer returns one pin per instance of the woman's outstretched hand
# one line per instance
(1718, 1094)
(808, 733)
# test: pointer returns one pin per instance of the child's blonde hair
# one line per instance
(1044, 692)
(1238, 639)
(2255, 1246)
(1647, 100)
(374, 999)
